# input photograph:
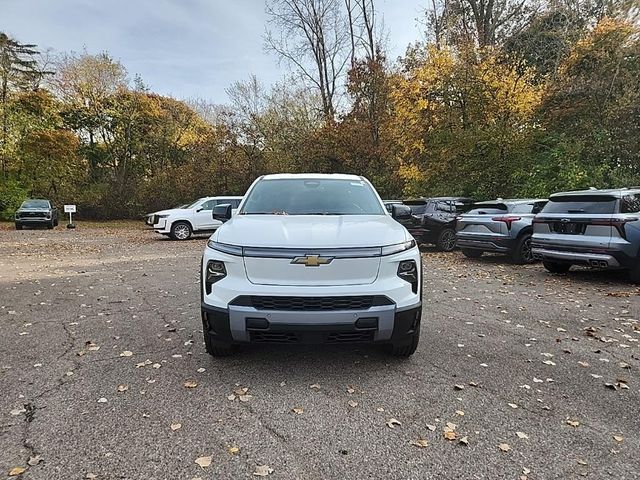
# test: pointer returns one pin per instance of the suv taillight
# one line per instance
(617, 223)
(506, 219)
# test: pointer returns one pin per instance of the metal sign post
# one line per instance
(70, 209)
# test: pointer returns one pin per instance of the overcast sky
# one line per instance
(183, 48)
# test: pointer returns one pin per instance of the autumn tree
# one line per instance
(313, 36)
(18, 71)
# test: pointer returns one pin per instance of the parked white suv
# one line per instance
(311, 258)
(181, 223)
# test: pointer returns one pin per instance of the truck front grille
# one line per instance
(363, 302)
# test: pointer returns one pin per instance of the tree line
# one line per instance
(510, 98)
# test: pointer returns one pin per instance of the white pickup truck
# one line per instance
(311, 258)
(180, 223)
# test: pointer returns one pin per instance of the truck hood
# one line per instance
(311, 231)
(33, 210)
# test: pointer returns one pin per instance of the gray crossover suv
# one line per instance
(596, 228)
(500, 226)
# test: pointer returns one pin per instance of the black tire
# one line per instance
(405, 350)
(181, 230)
(50, 225)
(634, 273)
(556, 267)
(446, 240)
(522, 253)
(55, 223)
(472, 253)
(216, 349)
(18, 226)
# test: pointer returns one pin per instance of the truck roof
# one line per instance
(311, 176)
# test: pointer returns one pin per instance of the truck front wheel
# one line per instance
(406, 349)
(216, 348)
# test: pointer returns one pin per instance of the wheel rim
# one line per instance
(181, 232)
(448, 240)
(527, 252)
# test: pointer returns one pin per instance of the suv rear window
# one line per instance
(596, 204)
(488, 209)
(418, 207)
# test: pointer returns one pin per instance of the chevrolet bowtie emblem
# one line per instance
(312, 260)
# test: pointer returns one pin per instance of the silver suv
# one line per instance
(596, 228)
(500, 226)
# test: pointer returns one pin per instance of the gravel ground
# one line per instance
(531, 376)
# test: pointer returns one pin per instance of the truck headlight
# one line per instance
(408, 271)
(215, 272)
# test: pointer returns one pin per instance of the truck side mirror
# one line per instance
(400, 212)
(222, 212)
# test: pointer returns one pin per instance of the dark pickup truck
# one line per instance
(36, 212)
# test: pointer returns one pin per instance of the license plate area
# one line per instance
(569, 228)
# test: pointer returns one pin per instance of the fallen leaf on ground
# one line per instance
(233, 450)
(204, 462)
(191, 384)
(421, 443)
(176, 426)
(17, 411)
(35, 460)
(522, 435)
(102, 400)
(315, 385)
(431, 427)
(263, 471)
(122, 388)
(352, 403)
(245, 398)
(458, 387)
(573, 423)
(201, 370)
(618, 438)
(513, 405)
(504, 447)
(460, 413)
(449, 434)
(392, 422)
(15, 471)
(298, 410)
(126, 353)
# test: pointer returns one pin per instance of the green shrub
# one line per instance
(12, 194)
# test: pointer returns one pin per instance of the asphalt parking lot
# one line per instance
(103, 374)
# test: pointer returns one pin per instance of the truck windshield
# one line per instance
(35, 204)
(299, 196)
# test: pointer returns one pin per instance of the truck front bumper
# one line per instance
(245, 324)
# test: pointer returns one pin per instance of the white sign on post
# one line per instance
(70, 209)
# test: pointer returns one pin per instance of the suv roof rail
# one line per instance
(592, 188)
